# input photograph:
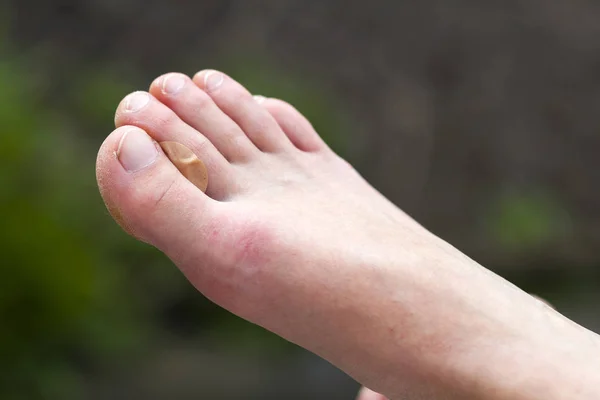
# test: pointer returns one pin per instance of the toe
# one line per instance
(297, 128)
(198, 110)
(142, 110)
(367, 394)
(240, 106)
(147, 195)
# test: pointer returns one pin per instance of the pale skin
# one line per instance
(290, 237)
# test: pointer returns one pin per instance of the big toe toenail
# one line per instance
(136, 150)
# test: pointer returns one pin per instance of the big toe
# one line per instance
(147, 195)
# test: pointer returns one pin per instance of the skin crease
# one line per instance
(290, 237)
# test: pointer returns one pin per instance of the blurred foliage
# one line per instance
(60, 294)
(96, 93)
(521, 220)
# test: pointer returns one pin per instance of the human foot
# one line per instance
(290, 237)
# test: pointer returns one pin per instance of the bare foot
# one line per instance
(290, 237)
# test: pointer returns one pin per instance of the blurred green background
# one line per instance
(479, 120)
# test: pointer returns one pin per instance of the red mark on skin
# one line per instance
(240, 246)
(230, 268)
(240, 258)
(251, 246)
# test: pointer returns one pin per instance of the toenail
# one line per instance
(136, 101)
(173, 83)
(136, 150)
(212, 80)
(259, 99)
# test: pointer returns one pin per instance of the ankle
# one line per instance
(489, 340)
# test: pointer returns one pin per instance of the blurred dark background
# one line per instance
(479, 118)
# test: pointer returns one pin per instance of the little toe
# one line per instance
(297, 128)
(239, 105)
(197, 109)
(142, 110)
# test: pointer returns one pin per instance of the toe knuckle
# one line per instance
(165, 119)
(242, 95)
(203, 145)
(202, 101)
